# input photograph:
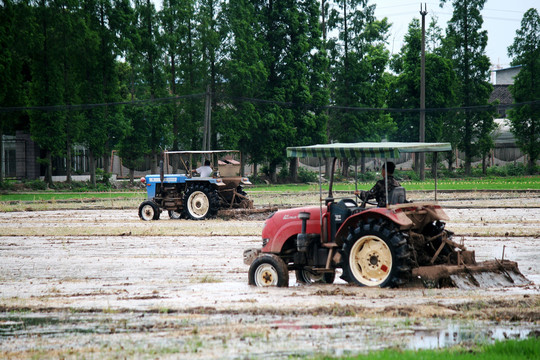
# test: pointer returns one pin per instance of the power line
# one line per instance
(171, 99)
(92, 106)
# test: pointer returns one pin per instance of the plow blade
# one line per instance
(487, 274)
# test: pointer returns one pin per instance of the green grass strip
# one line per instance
(506, 183)
(502, 350)
(52, 196)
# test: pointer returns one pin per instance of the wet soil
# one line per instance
(104, 284)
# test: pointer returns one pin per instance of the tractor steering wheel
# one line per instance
(364, 202)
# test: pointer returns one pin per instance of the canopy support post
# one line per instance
(320, 195)
(355, 175)
(435, 164)
(386, 180)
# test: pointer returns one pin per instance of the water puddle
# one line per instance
(463, 334)
(252, 334)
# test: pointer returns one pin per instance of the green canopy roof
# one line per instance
(366, 149)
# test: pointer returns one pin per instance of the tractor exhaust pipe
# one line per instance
(302, 240)
(161, 172)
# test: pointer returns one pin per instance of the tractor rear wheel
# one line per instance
(307, 277)
(268, 270)
(200, 202)
(376, 254)
(149, 210)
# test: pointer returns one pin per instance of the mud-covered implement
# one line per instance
(402, 243)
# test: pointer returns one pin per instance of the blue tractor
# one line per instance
(185, 195)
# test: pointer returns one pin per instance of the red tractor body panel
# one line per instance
(285, 224)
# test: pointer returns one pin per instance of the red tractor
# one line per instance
(374, 246)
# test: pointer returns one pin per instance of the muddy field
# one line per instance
(103, 284)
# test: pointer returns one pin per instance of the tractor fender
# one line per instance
(397, 216)
(285, 224)
(208, 180)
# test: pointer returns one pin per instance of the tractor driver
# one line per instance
(205, 170)
(378, 192)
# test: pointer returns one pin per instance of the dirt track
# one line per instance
(102, 283)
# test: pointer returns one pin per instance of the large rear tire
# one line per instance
(149, 210)
(376, 254)
(200, 202)
(268, 270)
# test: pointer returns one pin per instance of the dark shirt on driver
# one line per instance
(378, 191)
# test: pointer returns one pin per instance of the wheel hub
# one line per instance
(266, 275)
(198, 204)
(370, 260)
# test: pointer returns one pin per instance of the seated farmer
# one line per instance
(378, 192)
(205, 170)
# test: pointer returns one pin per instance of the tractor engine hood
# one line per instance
(285, 224)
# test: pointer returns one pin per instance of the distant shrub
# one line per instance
(35, 184)
(307, 176)
(283, 174)
(368, 176)
(6, 186)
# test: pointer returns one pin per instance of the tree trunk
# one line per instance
(131, 176)
(48, 174)
(68, 163)
(1, 152)
(92, 165)
(106, 163)
(327, 168)
(153, 163)
(293, 169)
(450, 159)
(273, 173)
(468, 164)
(434, 164)
(345, 169)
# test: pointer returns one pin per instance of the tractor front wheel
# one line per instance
(149, 210)
(200, 202)
(268, 270)
(376, 254)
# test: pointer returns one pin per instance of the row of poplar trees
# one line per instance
(120, 75)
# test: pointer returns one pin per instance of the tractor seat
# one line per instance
(397, 196)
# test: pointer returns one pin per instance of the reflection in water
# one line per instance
(455, 334)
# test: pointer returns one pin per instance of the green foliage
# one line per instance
(108, 53)
(7, 185)
(35, 185)
(404, 90)
(368, 176)
(283, 175)
(525, 119)
(307, 176)
(465, 45)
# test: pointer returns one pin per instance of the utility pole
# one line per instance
(207, 132)
(422, 127)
